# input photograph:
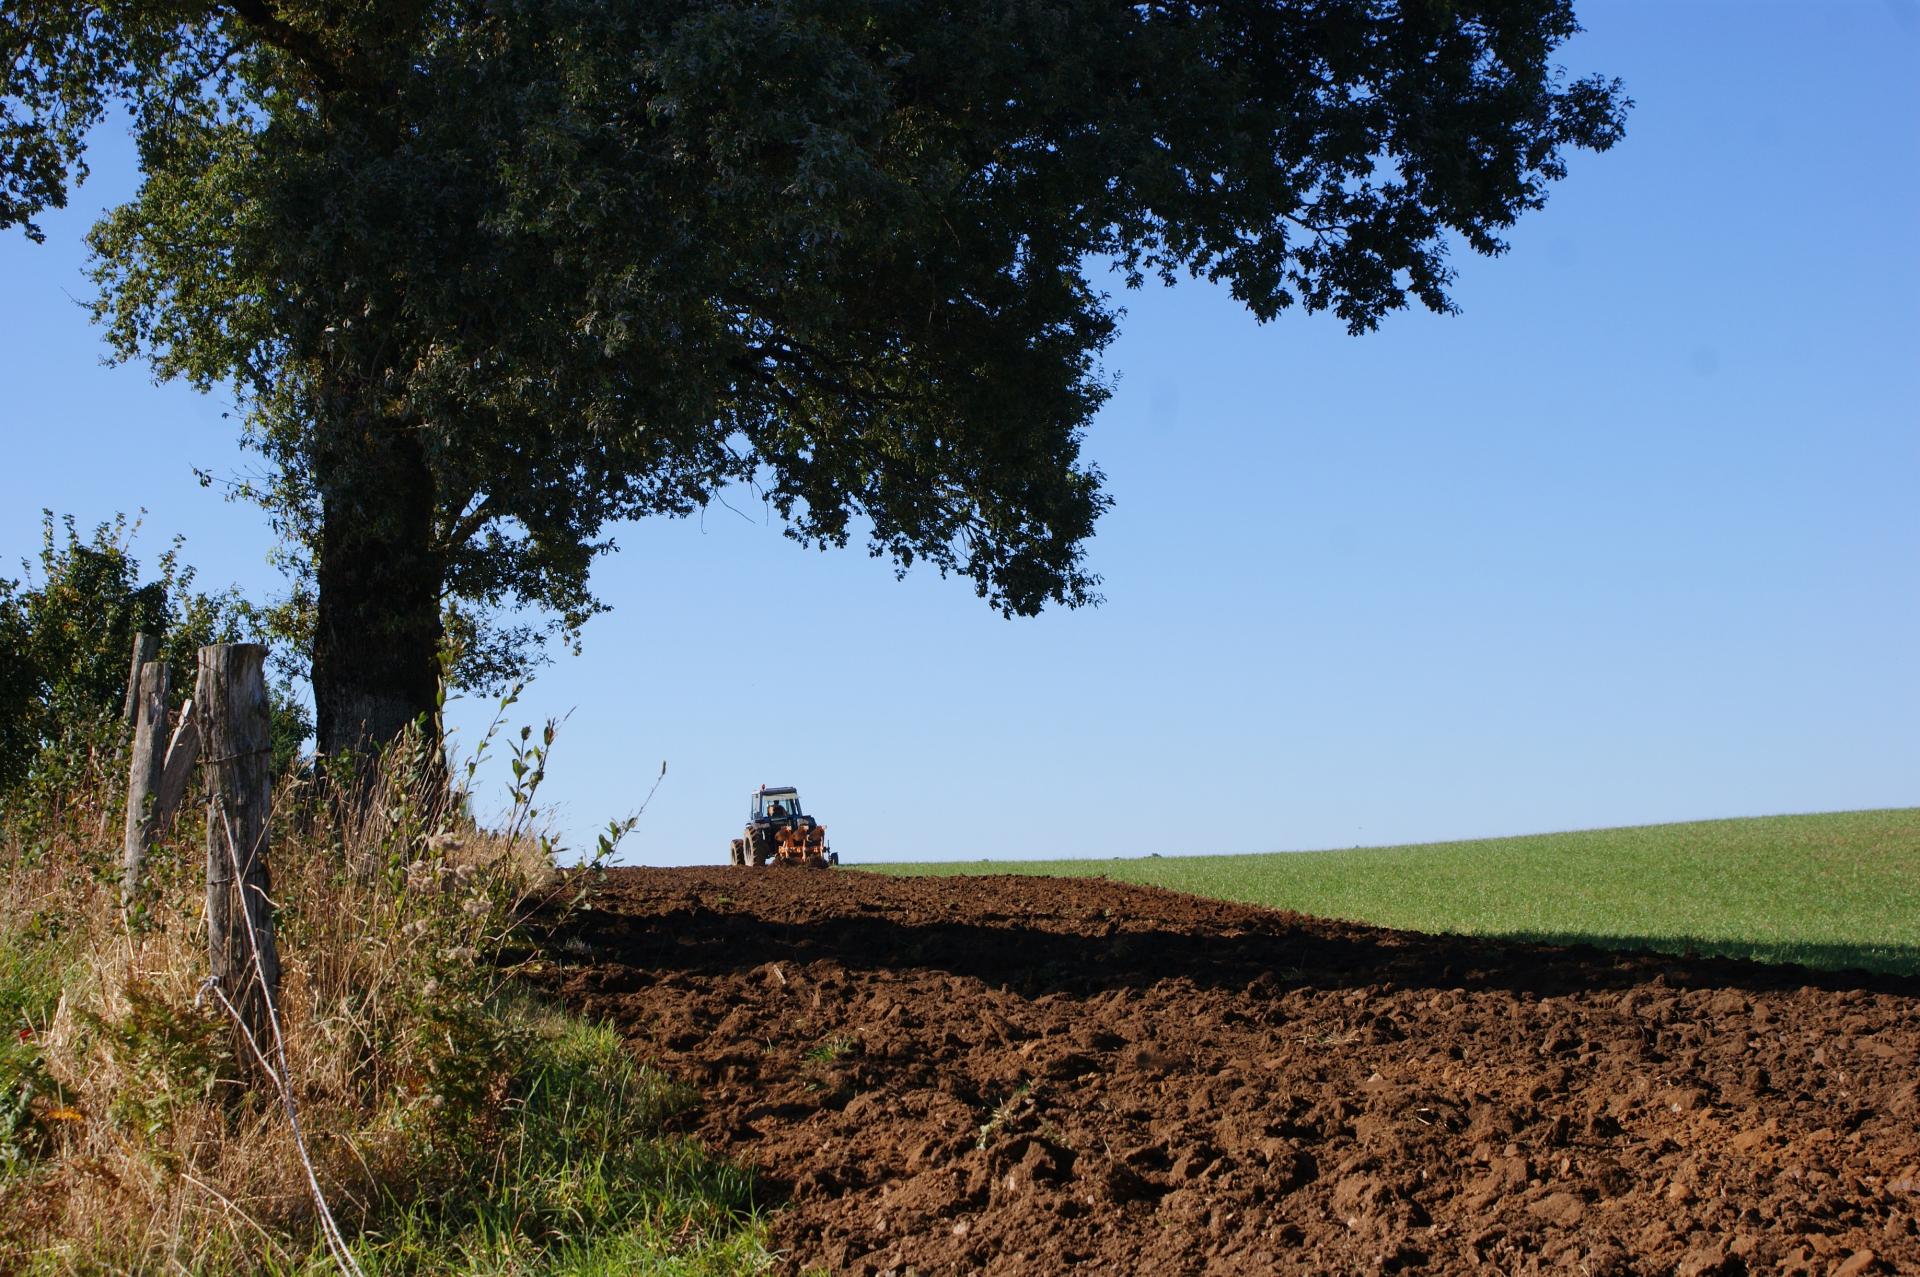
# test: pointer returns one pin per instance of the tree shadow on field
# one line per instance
(1256, 948)
(1848, 963)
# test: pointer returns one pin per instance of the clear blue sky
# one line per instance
(1633, 539)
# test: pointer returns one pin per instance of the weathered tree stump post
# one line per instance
(235, 749)
(183, 751)
(145, 648)
(143, 773)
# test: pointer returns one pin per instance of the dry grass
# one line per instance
(135, 1145)
(155, 1150)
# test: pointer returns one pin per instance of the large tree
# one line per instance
(494, 274)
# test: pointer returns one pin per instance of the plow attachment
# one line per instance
(801, 845)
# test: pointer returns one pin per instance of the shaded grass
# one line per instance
(1837, 890)
(581, 1180)
(33, 968)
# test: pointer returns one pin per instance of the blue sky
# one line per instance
(1634, 538)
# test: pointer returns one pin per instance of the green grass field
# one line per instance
(1834, 890)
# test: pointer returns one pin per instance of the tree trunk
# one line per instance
(376, 644)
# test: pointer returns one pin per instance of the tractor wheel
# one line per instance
(738, 850)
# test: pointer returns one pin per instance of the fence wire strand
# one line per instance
(276, 1068)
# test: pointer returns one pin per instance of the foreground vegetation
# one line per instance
(455, 1124)
(1836, 890)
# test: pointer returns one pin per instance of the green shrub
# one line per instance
(66, 638)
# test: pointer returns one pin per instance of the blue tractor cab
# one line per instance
(776, 803)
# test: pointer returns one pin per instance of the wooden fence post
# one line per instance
(145, 648)
(143, 773)
(183, 751)
(236, 750)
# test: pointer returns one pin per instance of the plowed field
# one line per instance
(1021, 1075)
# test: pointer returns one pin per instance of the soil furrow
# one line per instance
(1021, 1075)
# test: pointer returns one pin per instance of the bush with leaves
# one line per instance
(66, 637)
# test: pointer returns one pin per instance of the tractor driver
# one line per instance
(776, 809)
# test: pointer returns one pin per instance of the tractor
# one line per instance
(779, 833)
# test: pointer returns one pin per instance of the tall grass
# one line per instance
(455, 1124)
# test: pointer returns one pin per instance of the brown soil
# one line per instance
(1019, 1075)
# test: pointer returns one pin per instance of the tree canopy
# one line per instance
(493, 277)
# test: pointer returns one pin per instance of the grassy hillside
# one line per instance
(1834, 890)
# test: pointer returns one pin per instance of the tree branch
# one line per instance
(469, 523)
(328, 72)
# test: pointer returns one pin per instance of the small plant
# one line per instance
(171, 1055)
(1004, 1114)
(831, 1049)
(28, 1096)
(34, 954)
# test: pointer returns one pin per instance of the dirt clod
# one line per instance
(1859, 1263)
(1025, 1075)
